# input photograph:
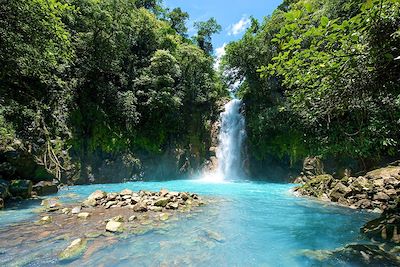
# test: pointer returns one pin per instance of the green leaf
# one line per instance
(324, 21)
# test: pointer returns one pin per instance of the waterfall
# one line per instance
(230, 142)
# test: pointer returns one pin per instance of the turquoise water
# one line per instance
(251, 224)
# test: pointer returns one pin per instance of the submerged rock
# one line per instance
(83, 215)
(45, 220)
(75, 249)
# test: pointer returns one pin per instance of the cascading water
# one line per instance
(230, 141)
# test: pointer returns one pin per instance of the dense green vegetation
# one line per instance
(321, 78)
(103, 81)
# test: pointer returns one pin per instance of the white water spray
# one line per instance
(230, 142)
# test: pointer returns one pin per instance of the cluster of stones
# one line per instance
(143, 201)
(378, 190)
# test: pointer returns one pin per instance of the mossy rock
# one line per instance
(74, 250)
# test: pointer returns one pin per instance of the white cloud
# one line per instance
(239, 26)
(219, 53)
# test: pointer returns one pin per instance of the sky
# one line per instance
(232, 15)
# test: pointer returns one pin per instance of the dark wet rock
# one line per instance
(386, 227)
(45, 188)
(1, 203)
(21, 188)
(74, 250)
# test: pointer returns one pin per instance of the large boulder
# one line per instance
(45, 188)
(21, 188)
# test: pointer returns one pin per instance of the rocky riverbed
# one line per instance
(377, 190)
(103, 218)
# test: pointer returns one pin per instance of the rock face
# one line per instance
(76, 248)
(21, 188)
(377, 190)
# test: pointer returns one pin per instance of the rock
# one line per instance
(83, 215)
(111, 196)
(164, 216)
(76, 210)
(173, 206)
(155, 208)
(51, 204)
(381, 196)
(45, 220)
(4, 189)
(214, 236)
(163, 192)
(98, 194)
(21, 188)
(132, 218)
(313, 166)
(118, 218)
(340, 190)
(110, 204)
(139, 207)
(1, 203)
(45, 188)
(90, 202)
(66, 211)
(161, 202)
(113, 226)
(126, 192)
(75, 249)
(184, 196)
(386, 227)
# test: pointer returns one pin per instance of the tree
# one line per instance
(205, 30)
(177, 19)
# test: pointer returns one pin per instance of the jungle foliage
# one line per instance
(113, 76)
(321, 78)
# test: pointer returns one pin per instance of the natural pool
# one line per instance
(250, 224)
